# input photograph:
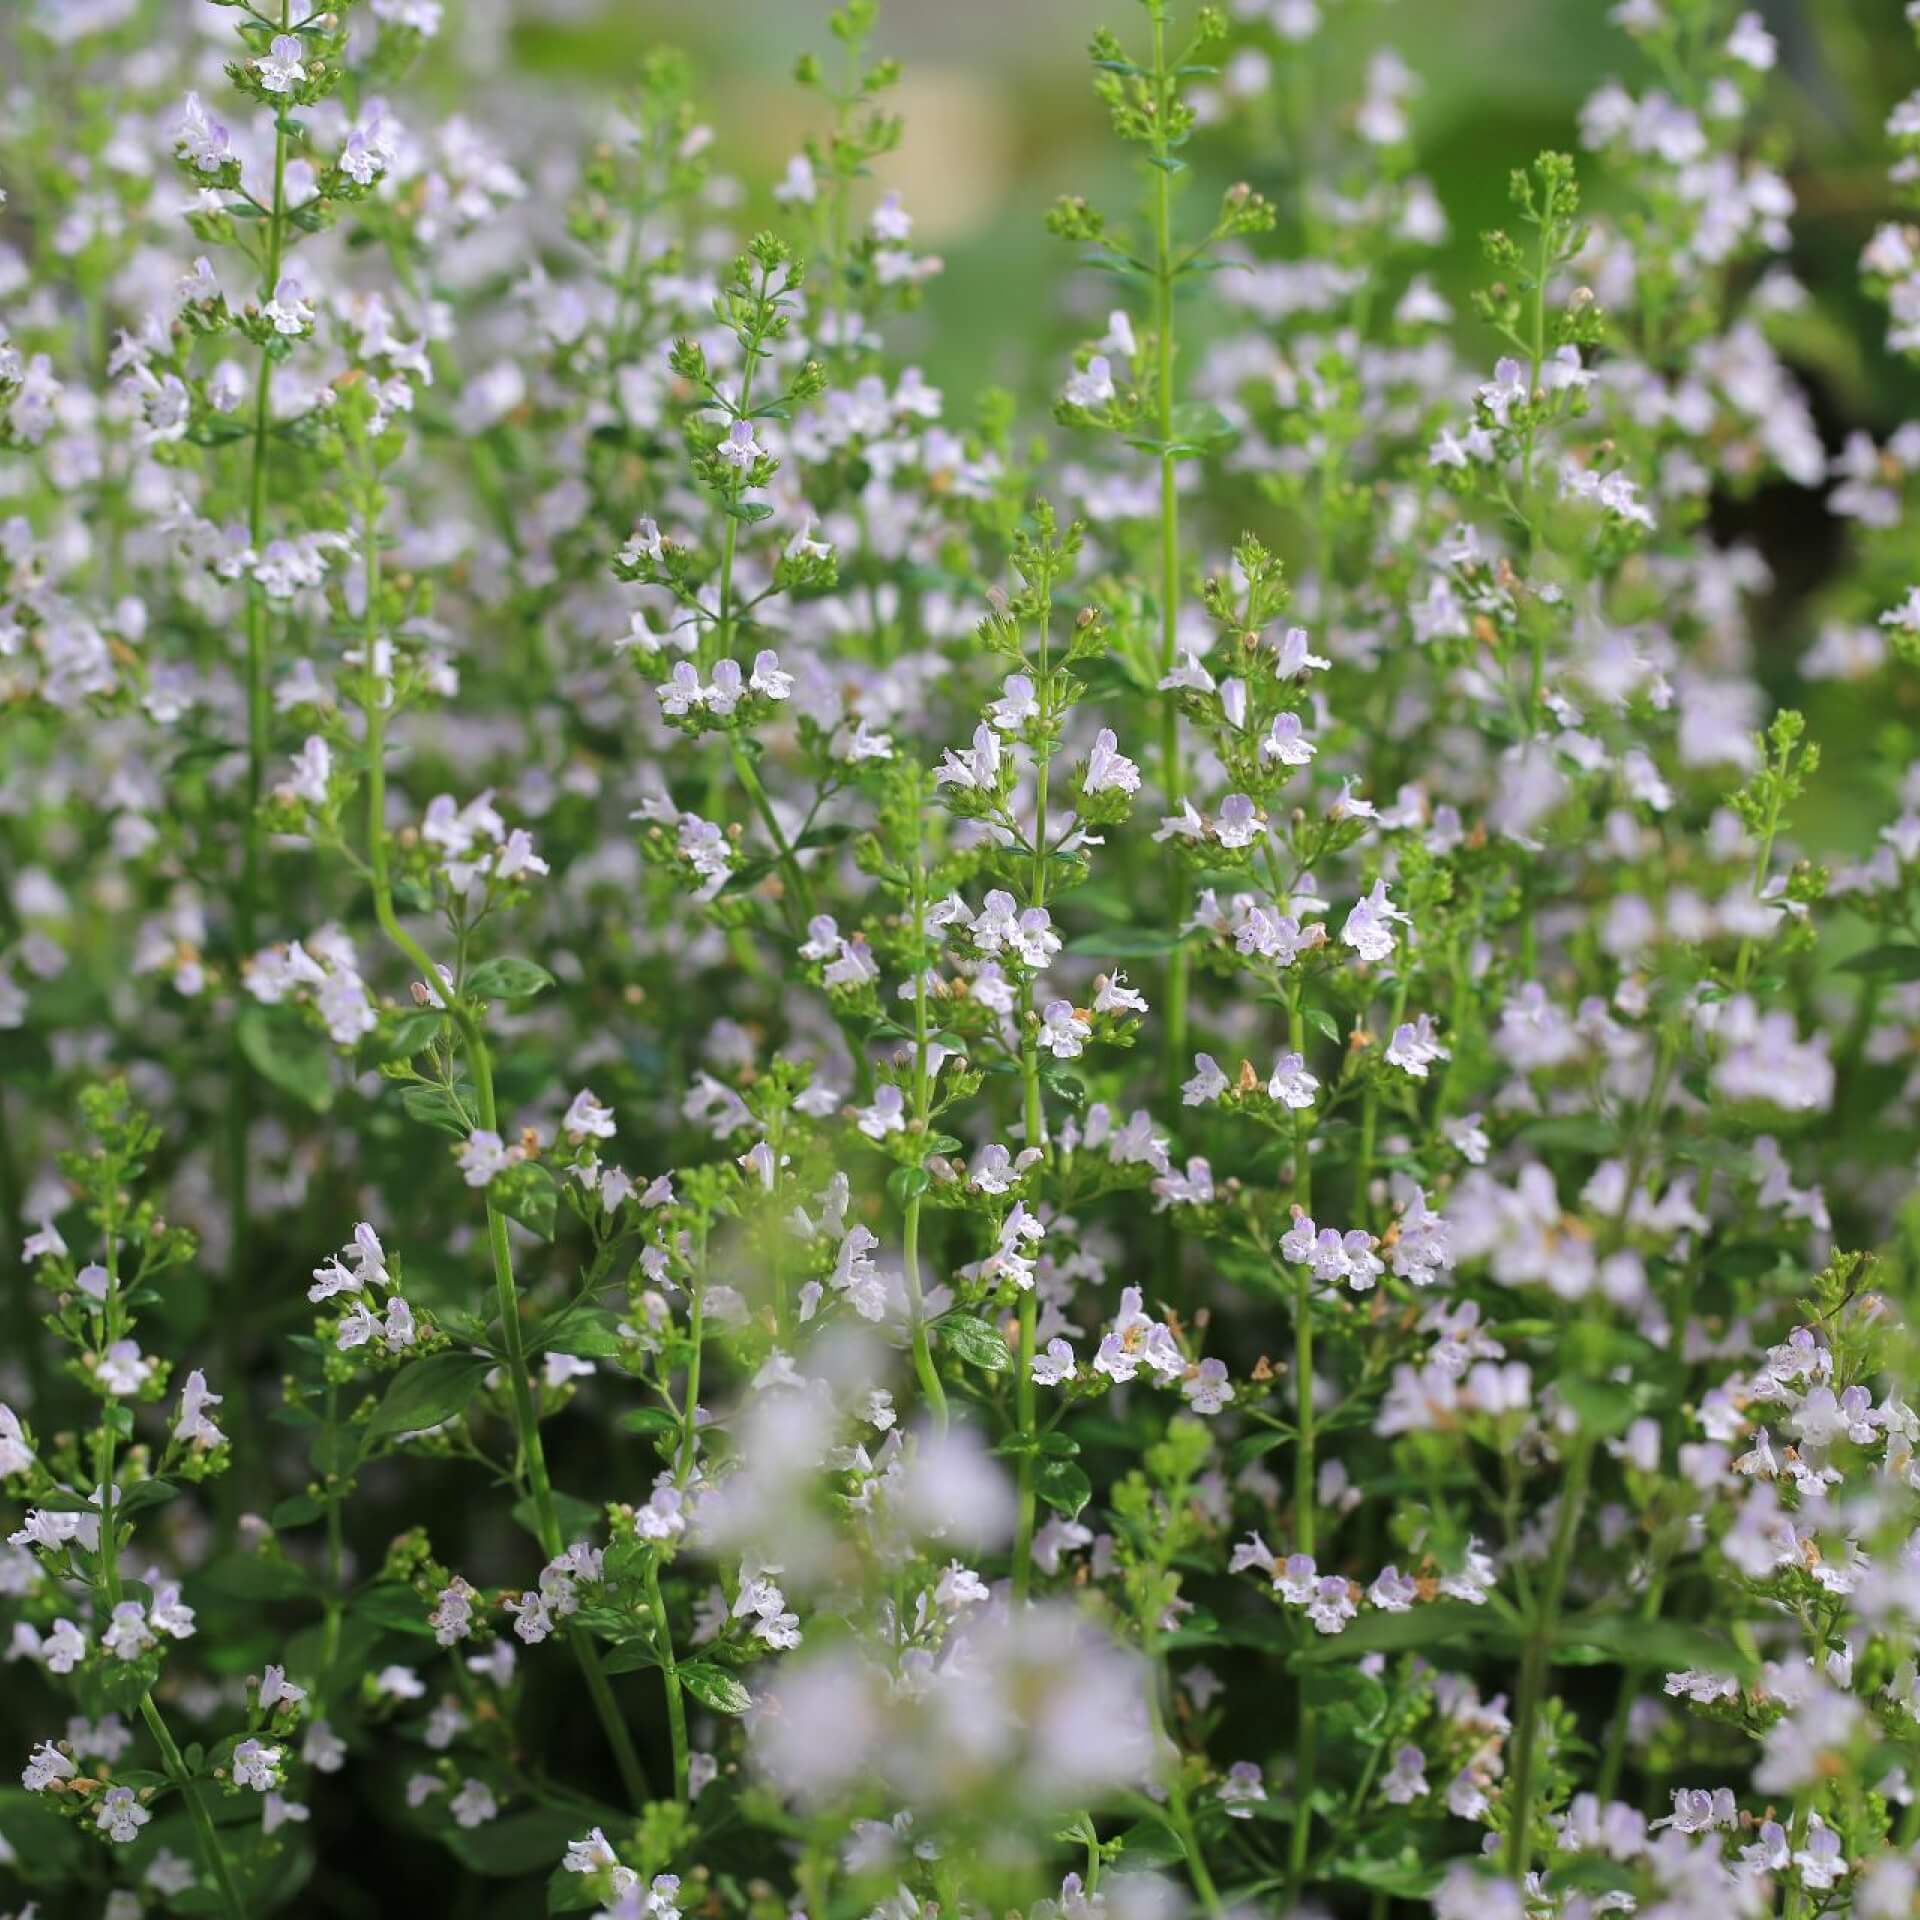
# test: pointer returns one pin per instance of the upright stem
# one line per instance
(1302, 1127)
(336, 1549)
(1179, 1816)
(682, 1473)
(259, 738)
(690, 1412)
(1023, 1402)
(1306, 1735)
(927, 1373)
(1797, 1902)
(799, 891)
(1036, 1128)
(1173, 772)
(1614, 1758)
(205, 1838)
(506, 1293)
(1538, 1659)
(1370, 1109)
(1536, 682)
(670, 1673)
(730, 539)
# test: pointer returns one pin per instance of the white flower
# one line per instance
(45, 1765)
(1208, 1082)
(484, 1155)
(1415, 1047)
(1291, 1084)
(1056, 1365)
(193, 1426)
(312, 769)
(1369, 927)
(256, 1765)
(739, 449)
(1108, 769)
(587, 1119)
(123, 1369)
(119, 1815)
(15, 1455)
(280, 70)
(1093, 385)
(1286, 742)
(288, 310)
(474, 1805)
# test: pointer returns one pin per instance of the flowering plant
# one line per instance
(1115, 1159)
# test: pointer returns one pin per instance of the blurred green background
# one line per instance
(1000, 120)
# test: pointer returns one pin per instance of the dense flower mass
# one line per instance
(1108, 1165)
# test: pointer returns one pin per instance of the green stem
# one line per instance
(1537, 670)
(1797, 1902)
(1306, 1739)
(506, 1293)
(1370, 1108)
(924, 1369)
(1302, 1126)
(1537, 1661)
(204, 1836)
(1173, 771)
(670, 1673)
(1179, 1815)
(690, 1413)
(1615, 1757)
(239, 1115)
(336, 1550)
(799, 890)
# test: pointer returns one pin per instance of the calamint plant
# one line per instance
(777, 1146)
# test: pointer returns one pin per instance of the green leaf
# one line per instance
(1602, 1407)
(145, 1493)
(1571, 1133)
(577, 1518)
(647, 1420)
(296, 1061)
(1063, 1486)
(409, 1034)
(749, 511)
(506, 978)
(429, 1391)
(1669, 1645)
(297, 1510)
(1202, 425)
(1886, 963)
(1594, 1875)
(1438, 1623)
(256, 1576)
(1126, 943)
(396, 1608)
(630, 1656)
(907, 1183)
(715, 1687)
(976, 1341)
(527, 1193)
(434, 1107)
(516, 1843)
(1324, 1024)
(1407, 1877)
(586, 1336)
(1150, 1844)
(44, 1843)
